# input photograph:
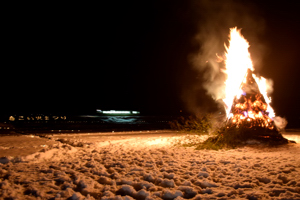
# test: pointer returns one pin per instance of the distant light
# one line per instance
(121, 112)
(116, 112)
(11, 118)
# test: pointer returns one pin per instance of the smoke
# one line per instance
(215, 19)
(280, 123)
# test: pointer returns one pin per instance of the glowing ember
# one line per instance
(246, 97)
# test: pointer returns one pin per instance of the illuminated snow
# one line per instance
(140, 165)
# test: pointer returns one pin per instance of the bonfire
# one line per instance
(249, 115)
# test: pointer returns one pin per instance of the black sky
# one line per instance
(129, 55)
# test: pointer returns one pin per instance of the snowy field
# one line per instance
(143, 165)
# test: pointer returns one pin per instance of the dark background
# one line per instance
(130, 55)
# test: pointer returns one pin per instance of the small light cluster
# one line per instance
(36, 117)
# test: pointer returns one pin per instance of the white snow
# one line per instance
(143, 165)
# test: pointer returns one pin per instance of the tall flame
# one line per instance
(237, 65)
(237, 62)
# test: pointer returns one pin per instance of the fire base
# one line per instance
(233, 137)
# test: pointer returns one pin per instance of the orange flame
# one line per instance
(238, 63)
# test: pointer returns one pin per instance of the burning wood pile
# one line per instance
(249, 114)
(249, 109)
(246, 100)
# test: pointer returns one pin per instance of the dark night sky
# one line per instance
(130, 55)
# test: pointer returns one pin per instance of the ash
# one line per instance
(143, 165)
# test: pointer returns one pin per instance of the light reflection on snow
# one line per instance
(293, 137)
(159, 141)
(120, 119)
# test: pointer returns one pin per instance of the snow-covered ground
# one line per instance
(143, 165)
